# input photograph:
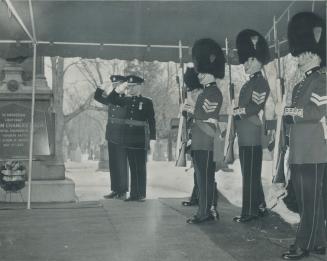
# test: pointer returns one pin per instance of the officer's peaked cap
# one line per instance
(117, 78)
(307, 33)
(250, 43)
(191, 79)
(202, 51)
(133, 79)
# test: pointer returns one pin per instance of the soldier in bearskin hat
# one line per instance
(117, 153)
(308, 133)
(209, 62)
(194, 88)
(253, 53)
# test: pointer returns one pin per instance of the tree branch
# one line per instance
(70, 65)
(85, 106)
(91, 76)
(93, 83)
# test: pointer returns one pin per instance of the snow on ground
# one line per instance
(167, 181)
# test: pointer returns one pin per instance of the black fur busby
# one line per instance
(191, 80)
(208, 57)
(307, 33)
(250, 43)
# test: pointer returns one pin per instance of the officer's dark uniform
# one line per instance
(137, 129)
(117, 153)
(205, 128)
(252, 99)
(308, 137)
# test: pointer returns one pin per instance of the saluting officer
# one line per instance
(117, 153)
(209, 62)
(253, 53)
(308, 134)
(138, 129)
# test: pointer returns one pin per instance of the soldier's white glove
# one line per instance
(188, 108)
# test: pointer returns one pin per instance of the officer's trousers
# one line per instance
(137, 163)
(205, 175)
(253, 196)
(308, 183)
(118, 168)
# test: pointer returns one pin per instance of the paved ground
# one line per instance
(155, 230)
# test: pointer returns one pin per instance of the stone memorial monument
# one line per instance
(48, 174)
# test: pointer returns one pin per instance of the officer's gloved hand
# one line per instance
(121, 88)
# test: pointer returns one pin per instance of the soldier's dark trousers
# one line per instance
(253, 196)
(205, 172)
(195, 192)
(137, 163)
(118, 168)
(308, 180)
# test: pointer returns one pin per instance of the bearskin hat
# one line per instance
(191, 79)
(250, 43)
(307, 33)
(202, 50)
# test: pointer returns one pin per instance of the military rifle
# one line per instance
(182, 131)
(279, 151)
(230, 133)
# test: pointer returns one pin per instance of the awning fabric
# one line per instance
(139, 22)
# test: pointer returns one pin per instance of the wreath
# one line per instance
(12, 176)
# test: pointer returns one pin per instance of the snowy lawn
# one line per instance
(167, 181)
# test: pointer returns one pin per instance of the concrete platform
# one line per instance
(154, 230)
(44, 191)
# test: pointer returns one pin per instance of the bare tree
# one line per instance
(58, 73)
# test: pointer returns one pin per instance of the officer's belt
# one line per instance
(129, 122)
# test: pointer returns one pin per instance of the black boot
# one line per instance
(295, 253)
(111, 195)
(214, 213)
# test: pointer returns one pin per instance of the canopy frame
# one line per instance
(35, 43)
